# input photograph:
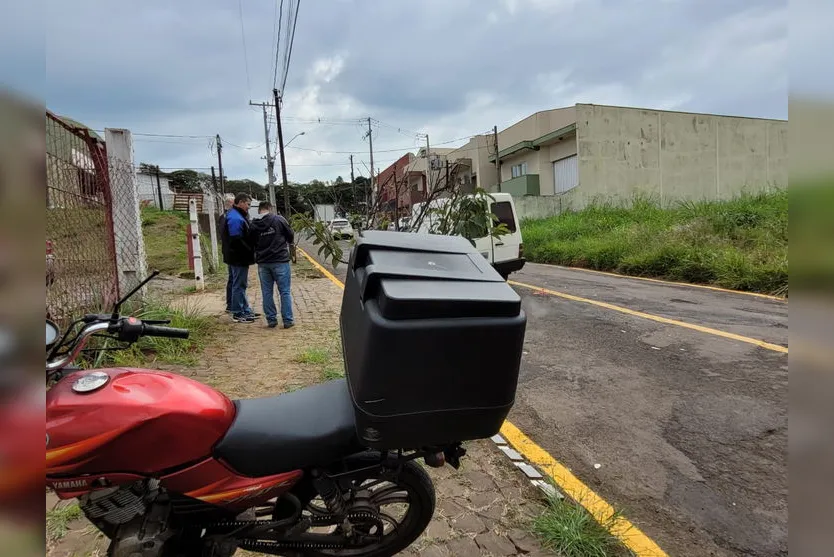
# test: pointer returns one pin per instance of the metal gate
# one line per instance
(565, 174)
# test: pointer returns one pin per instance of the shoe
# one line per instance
(243, 319)
(253, 314)
(272, 324)
(289, 325)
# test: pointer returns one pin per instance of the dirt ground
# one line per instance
(482, 509)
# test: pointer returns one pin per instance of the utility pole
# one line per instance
(497, 157)
(213, 180)
(428, 167)
(220, 163)
(270, 162)
(352, 181)
(281, 153)
(371, 149)
(159, 191)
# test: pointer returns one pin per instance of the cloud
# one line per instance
(449, 69)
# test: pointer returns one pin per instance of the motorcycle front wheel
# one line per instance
(404, 506)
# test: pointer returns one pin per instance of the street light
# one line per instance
(287, 144)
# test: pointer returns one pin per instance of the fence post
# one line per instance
(194, 228)
(212, 231)
(131, 265)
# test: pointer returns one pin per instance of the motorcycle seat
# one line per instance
(310, 427)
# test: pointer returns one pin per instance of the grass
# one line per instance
(58, 519)
(740, 244)
(567, 529)
(173, 351)
(317, 356)
(329, 366)
(165, 240)
(331, 373)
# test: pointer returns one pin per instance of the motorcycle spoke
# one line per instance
(390, 520)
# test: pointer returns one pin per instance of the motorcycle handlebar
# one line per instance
(167, 332)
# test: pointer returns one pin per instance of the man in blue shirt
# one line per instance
(239, 254)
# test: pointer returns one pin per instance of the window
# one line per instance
(504, 211)
(519, 169)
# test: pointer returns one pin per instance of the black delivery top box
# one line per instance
(432, 337)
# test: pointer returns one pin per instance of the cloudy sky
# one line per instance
(449, 68)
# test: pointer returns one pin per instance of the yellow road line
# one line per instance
(321, 269)
(665, 320)
(673, 283)
(624, 530)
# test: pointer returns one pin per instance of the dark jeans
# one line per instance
(270, 275)
(229, 289)
(240, 281)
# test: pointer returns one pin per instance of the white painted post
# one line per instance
(197, 256)
(131, 263)
(212, 230)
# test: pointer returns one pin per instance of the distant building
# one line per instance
(146, 186)
(586, 152)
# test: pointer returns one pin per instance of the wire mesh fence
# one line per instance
(80, 263)
(127, 221)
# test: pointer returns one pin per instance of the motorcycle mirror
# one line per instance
(116, 308)
(52, 333)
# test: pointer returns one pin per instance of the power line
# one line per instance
(227, 142)
(376, 150)
(278, 45)
(166, 135)
(245, 53)
(289, 52)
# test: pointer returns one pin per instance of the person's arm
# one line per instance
(239, 234)
(287, 230)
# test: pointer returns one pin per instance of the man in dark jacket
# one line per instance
(273, 236)
(239, 254)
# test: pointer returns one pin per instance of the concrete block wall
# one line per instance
(675, 156)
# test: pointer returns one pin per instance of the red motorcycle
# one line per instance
(166, 466)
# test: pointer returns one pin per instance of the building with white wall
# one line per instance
(147, 188)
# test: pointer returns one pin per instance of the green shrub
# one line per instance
(739, 244)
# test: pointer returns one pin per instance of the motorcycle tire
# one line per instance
(416, 482)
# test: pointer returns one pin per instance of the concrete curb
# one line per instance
(535, 477)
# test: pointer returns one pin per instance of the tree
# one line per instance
(147, 168)
(253, 188)
(447, 209)
(188, 181)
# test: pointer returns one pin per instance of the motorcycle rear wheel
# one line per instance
(412, 482)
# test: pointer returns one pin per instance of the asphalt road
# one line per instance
(683, 430)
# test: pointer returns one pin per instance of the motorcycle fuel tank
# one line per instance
(131, 420)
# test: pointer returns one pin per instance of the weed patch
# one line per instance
(332, 373)
(566, 528)
(316, 356)
(741, 244)
(58, 520)
(172, 351)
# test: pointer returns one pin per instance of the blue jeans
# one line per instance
(240, 281)
(271, 274)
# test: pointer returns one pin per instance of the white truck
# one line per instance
(324, 212)
(505, 253)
